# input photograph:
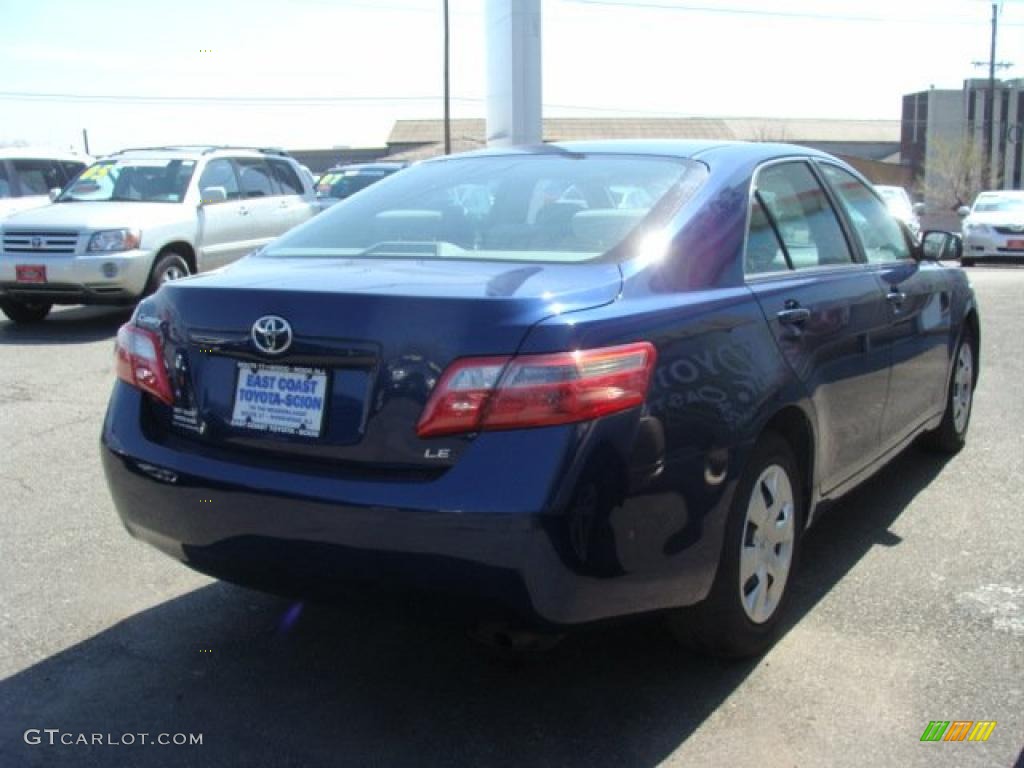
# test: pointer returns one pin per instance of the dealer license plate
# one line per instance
(283, 399)
(30, 273)
(1015, 245)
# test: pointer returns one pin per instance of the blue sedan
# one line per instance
(576, 381)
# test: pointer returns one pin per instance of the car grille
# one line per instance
(38, 242)
(1010, 230)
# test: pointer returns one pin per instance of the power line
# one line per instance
(800, 15)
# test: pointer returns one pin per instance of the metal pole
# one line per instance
(990, 107)
(447, 94)
(85, 139)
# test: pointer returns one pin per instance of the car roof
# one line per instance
(195, 152)
(382, 166)
(1001, 193)
(42, 153)
(688, 149)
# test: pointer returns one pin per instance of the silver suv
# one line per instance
(28, 176)
(141, 217)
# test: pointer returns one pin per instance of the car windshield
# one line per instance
(343, 183)
(143, 180)
(550, 207)
(999, 204)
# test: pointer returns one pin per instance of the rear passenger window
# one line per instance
(797, 205)
(285, 176)
(878, 231)
(37, 177)
(254, 177)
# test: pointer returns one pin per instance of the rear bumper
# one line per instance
(514, 546)
(107, 278)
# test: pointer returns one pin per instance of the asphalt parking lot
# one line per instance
(909, 608)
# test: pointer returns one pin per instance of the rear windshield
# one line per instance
(342, 184)
(551, 207)
(143, 180)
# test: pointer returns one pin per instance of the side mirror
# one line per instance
(918, 208)
(963, 211)
(213, 195)
(941, 246)
(54, 194)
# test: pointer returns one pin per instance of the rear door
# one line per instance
(225, 229)
(296, 203)
(825, 309)
(918, 299)
(261, 200)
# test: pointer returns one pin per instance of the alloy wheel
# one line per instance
(766, 550)
(963, 388)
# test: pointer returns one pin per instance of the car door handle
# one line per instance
(794, 316)
(243, 211)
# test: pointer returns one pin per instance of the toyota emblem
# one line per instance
(36, 243)
(271, 334)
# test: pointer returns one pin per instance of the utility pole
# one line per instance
(990, 107)
(447, 94)
(990, 104)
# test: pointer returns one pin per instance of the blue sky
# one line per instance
(307, 73)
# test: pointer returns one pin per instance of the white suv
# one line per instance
(28, 175)
(141, 217)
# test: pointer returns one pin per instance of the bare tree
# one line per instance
(955, 173)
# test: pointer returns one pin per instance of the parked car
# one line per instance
(567, 408)
(342, 181)
(139, 218)
(993, 227)
(28, 175)
(899, 204)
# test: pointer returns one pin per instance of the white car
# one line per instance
(28, 175)
(139, 218)
(994, 226)
(898, 202)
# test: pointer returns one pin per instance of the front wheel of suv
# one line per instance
(169, 266)
(24, 312)
(740, 616)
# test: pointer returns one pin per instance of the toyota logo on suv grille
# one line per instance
(271, 334)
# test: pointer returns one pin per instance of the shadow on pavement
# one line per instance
(397, 684)
(76, 325)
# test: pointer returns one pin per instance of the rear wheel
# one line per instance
(169, 266)
(951, 434)
(741, 614)
(25, 311)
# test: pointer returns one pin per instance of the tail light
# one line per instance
(139, 361)
(491, 393)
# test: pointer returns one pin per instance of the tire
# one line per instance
(169, 266)
(25, 312)
(741, 614)
(951, 434)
